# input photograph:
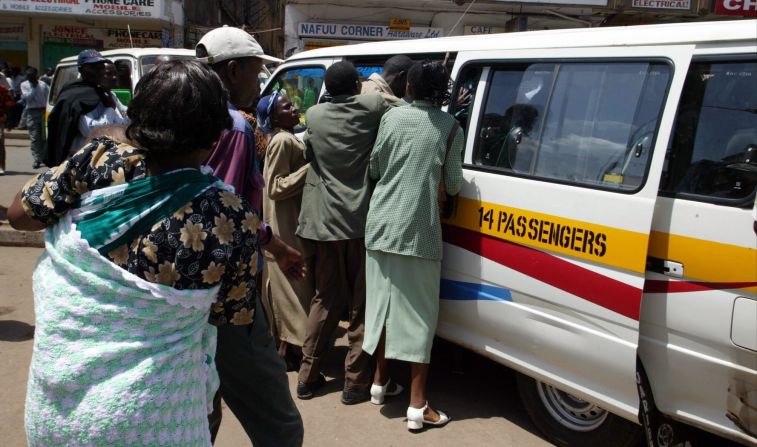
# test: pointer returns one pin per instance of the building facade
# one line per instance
(312, 24)
(41, 32)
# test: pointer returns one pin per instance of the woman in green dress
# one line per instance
(403, 240)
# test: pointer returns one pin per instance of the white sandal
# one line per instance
(378, 392)
(416, 419)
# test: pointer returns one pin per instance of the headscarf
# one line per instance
(266, 107)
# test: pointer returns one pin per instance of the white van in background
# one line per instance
(131, 64)
(603, 245)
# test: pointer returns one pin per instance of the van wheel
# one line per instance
(569, 421)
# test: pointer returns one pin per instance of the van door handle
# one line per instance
(665, 266)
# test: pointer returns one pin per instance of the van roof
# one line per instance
(678, 33)
(136, 52)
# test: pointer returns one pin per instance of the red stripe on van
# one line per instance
(669, 286)
(591, 286)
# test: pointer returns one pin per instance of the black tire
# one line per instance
(584, 424)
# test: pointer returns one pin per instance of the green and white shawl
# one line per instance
(118, 361)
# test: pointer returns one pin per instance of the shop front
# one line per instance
(41, 32)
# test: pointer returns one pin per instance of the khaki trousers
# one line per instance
(340, 286)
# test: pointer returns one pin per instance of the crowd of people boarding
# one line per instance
(196, 249)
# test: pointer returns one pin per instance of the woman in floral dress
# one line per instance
(143, 248)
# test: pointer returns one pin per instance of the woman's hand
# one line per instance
(18, 218)
(289, 260)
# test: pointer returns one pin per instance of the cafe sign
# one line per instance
(107, 38)
(144, 9)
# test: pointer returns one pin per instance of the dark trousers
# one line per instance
(340, 286)
(254, 385)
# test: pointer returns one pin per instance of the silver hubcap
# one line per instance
(570, 411)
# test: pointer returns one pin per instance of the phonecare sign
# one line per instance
(736, 7)
(102, 37)
(144, 9)
(351, 31)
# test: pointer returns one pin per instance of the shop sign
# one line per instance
(101, 37)
(12, 32)
(482, 29)
(560, 2)
(662, 4)
(736, 7)
(399, 24)
(364, 32)
(145, 9)
(314, 44)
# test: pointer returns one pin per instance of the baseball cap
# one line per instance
(228, 42)
(90, 57)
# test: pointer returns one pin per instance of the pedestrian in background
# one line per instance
(416, 147)
(338, 143)
(47, 76)
(284, 173)
(34, 94)
(6, 105)
(254, 384)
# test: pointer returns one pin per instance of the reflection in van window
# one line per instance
(713, 152)
(586, 123)
(123, 88)
(302, 86)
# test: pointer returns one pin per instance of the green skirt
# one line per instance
(402, 297)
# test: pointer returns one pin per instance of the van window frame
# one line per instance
(747, 202)
(493, 64)
(299, 128)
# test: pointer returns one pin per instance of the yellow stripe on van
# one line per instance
(597, 243)
(706, 261)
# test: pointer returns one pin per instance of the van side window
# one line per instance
(713, 151)
(63, 75)
(123, 89)
(302, 85)
(584, 123)
(461, 105)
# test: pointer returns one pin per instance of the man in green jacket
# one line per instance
(338, 145)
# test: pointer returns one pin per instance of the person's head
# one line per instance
(237, 58)
(91, 65)
(342, 79)
(395, 73)
(179, 109)
(31, 74)
(276, 110)
(429, 81)
(48, 71)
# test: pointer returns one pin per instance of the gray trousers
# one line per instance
(35, 120)
(254, 385)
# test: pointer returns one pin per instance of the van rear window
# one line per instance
(585, 123)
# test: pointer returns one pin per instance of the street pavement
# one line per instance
(479, 395)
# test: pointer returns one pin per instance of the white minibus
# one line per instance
(603, 243)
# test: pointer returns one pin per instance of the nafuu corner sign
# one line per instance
(364, 32)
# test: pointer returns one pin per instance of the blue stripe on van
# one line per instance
(467, 291)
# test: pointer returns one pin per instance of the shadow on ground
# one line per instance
(12, 330)
(463, 384)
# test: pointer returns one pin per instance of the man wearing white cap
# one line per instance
(253, 377)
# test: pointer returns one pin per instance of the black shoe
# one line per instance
(352, 397)
(307, 390)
